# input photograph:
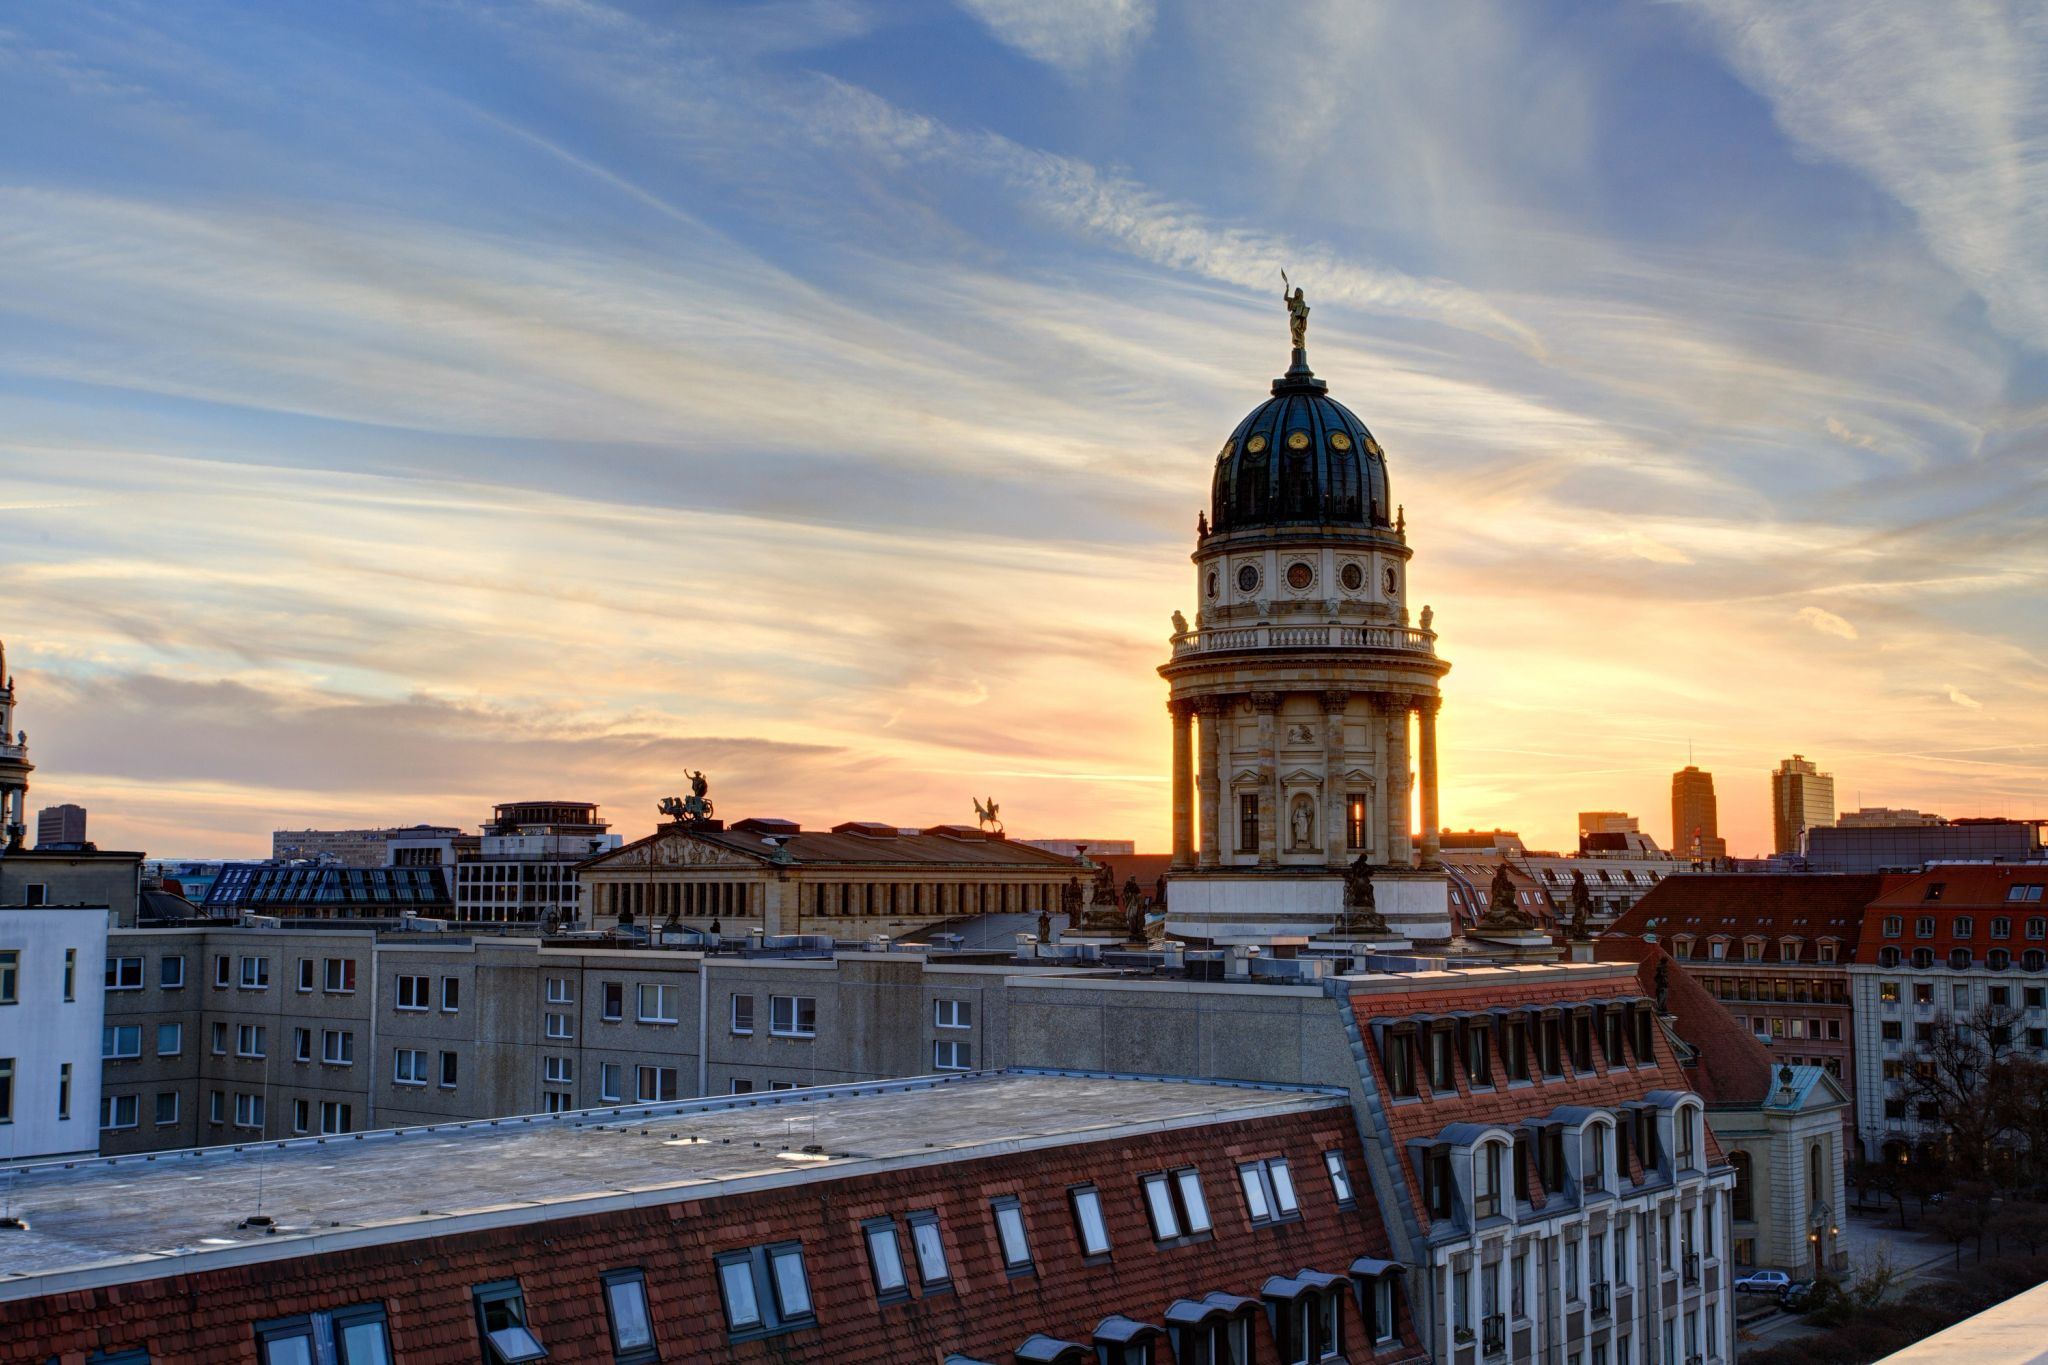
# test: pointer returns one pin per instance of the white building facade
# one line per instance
(52, 1004)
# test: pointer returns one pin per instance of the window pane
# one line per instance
(741, 1309)
(288, 1351)
(1159, 1200)
(885, 1258)
(1010, 1227)
(628, 1299)
(791, 1290)
(1255, 1191)
(1094, 1236)
(1283, 1185)
(1340, 1179)
(1191, 1200)
(931, 1252)
(364, 1343)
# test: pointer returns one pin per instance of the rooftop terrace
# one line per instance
(112, 1220)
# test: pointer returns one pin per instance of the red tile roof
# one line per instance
(1806, 906)
(1732, 1069)
(1977, 893)
(1430, 1113)
(206, 1316)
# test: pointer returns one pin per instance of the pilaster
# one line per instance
(1267, 705)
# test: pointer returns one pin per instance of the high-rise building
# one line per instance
(1695, 816)
(63, 824)
(1802, 796)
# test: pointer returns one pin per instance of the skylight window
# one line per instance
(930, 1249)
(1174, 1201)
(1268, 1190)
(765, 1290)
(885, 1258)
(1010, 1233)
(1088, 1223)
(501, 1321)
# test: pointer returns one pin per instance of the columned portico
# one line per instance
(1432, 827)
(1399, 854)
(1183, 784)
(1336, 786)
(1211, 781)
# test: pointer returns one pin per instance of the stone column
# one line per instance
(1267, 705)
(1211, 780)
(1183, 785)
(1399, 853)
(1335, 821)
(1426, 710)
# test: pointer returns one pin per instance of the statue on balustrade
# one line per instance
(1104, 914)
(1503, 915)
(1362, 917)
(1582, 906)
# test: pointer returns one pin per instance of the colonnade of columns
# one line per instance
(1202, 791)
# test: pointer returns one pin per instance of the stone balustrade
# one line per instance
(1238, 639)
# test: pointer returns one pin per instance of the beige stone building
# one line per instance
(1303, 699)
(853, 880)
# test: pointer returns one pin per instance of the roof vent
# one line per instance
(761, 824)
(867, 829)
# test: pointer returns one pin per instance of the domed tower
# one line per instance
(1304, 670)
(14, 766)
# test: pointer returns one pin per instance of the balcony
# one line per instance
(1493, 1334)
(1603, 1299)
(1244, 639)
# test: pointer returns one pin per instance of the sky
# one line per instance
(408, 407)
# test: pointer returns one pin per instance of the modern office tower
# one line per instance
(1802, 796)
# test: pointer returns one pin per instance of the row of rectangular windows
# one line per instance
(1965, 926)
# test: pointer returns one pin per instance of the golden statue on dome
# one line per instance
(1297, 312)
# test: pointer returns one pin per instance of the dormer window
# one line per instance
(1687, 1123)
(1442, 1067)
(1593, 1159)
(1478, 1054)
(1397, 1055)
(1486, 1174)
(1514, 1047)
(1826, 949)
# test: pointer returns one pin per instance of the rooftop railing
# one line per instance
(1237, 639)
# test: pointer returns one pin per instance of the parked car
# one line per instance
(1763, 1282)
(1797, 1296)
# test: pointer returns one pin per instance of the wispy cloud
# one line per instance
(1073, 35)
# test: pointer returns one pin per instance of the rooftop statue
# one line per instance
(1297, 313)
(984, 816)
(1502, 913)
(1361, 909)
(1582, 905)
(693, 809)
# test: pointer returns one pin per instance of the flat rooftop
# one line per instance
(110, 1220)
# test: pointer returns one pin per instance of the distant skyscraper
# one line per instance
(63, 824)
(1802, 796)
(1695, 815)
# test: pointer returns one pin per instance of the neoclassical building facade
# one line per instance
(1303, 698)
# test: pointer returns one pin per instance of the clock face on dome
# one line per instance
(1339, 441)
(1248, 578)
(1300, 576)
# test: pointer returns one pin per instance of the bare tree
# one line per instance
(1948, 1081)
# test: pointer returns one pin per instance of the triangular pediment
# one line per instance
(1301, 776)
(1245, 776)
(674, 848)
(1357, 777)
